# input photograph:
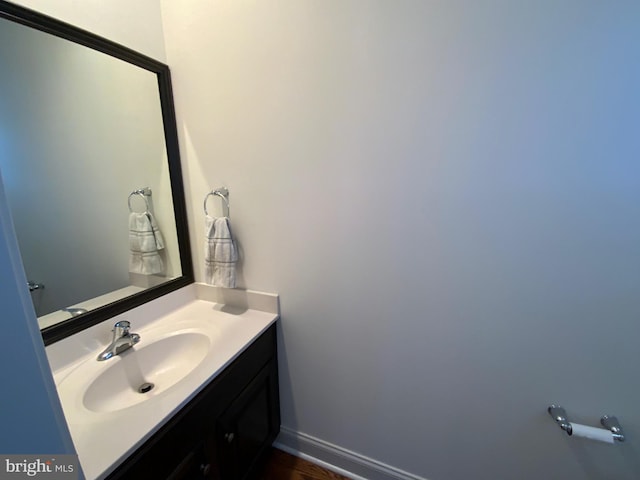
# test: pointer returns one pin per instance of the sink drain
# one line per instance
(145, 387)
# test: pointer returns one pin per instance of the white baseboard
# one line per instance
(338, 459)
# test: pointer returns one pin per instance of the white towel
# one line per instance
(220, 253)
(145, 243)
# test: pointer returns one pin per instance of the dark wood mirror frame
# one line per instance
(63, 30)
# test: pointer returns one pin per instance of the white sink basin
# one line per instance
(180, 351)
(137, 375)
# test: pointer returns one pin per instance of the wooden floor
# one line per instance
(282, 466)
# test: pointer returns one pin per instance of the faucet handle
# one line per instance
(121, 328)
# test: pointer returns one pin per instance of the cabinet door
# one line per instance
(246, 430)
(195, 466)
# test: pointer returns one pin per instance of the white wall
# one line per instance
(31, 415)
(136, 25)
(446, 195)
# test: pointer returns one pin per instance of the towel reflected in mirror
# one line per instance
(145, 243)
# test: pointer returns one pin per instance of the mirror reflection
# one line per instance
(84, 163)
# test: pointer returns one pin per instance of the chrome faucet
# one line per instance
(122, 340)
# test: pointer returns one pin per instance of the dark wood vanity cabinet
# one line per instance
(243, 431)
(225, 432)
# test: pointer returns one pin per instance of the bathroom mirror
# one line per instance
(90, 163)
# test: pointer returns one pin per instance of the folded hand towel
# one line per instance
(145, 242)
(220, 253)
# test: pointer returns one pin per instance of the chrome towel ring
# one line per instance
(221, 192)
(144, 193)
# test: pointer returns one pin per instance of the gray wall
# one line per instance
(446, 196)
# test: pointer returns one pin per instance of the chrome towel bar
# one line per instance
(223, 193)
(142, 192)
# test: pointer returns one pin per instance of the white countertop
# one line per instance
(103, 440)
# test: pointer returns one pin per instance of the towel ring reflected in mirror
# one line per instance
(144, 193)
(223, 193)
